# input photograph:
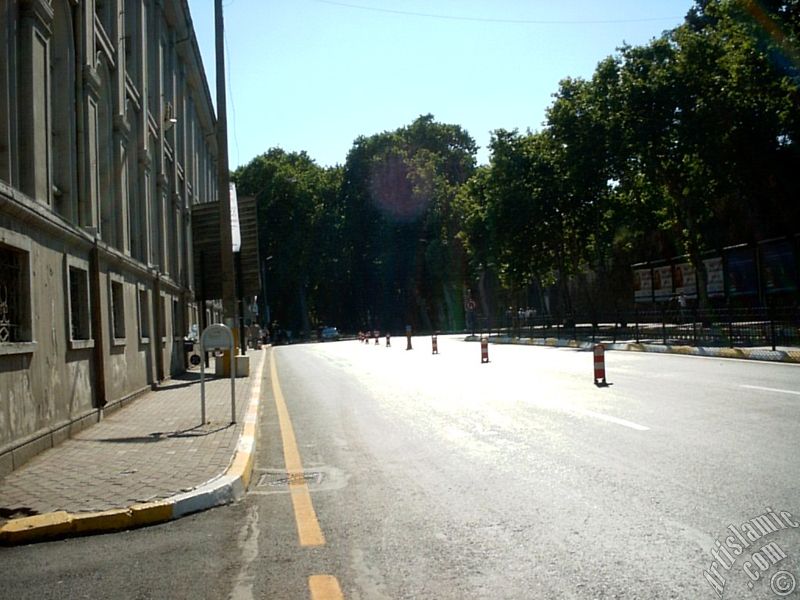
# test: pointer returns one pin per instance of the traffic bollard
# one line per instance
(599, 365)
(484, 350)
(434, 344)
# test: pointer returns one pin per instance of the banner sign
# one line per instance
(662, 283)
(685, 280)
(236, 235)
(715, 277)
(779, 267)
(742, 274)
(642, 285)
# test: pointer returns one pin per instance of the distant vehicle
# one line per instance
(329, 334)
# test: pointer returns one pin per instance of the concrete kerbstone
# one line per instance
(788, 356)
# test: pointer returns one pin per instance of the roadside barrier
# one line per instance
(484, 350)
(600, 365)
(434, 344)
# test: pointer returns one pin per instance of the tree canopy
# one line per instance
(680, 146)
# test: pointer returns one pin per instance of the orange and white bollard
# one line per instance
(434, 344)
(484, 350)
(600, 365)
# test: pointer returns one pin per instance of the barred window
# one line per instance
(176, 330)
(11, 295)
(162, 318)
(79, 307)
(118, 308)
(16, 295)
(144, 315)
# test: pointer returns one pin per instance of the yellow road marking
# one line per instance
(324, 587)
(308, 528)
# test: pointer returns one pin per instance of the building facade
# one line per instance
(106, 141)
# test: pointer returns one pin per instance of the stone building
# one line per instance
(106, 141)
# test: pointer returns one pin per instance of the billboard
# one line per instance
(742, 272)
(685, 280)
(715, 277)
(642, 285)
(778, 266)
(662, 283)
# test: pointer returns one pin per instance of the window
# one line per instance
(133, 35)
(80, 321)
(63, 135)
(16, 294)
(15, 297)
(144, 314)
(7, 50)
(162, 317)
(176, 332)
(117, 295)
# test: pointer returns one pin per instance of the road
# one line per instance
(435, 476)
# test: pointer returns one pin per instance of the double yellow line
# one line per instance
(322, 587)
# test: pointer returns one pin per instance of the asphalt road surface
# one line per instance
(386, 473)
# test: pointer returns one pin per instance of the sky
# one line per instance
(313, 75)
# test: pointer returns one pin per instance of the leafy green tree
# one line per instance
(298, 226)
(398, 194)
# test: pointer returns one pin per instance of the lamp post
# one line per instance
(226, 251)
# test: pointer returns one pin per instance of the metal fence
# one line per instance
(726, 327)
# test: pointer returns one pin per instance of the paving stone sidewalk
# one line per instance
(150, 450)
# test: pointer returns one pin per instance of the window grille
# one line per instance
(79, 304)
(10, 294)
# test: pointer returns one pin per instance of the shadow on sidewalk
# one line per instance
(160, 436)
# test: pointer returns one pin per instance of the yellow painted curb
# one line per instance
(28, 529)
(793, 356)
(682, 350)
(100, 521)
(150, 513)
(731, 353)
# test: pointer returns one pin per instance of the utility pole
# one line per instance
(223, 184)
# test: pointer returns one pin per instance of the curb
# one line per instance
(224, 489)
(785, 356)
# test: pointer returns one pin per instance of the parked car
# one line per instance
(329, 334)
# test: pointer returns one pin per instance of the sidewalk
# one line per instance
(149, 462)
(782, 354)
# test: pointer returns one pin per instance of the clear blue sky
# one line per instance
(315, 74)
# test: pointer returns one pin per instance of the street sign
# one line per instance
(217, 337)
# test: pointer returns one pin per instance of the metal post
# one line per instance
(202, 389)
(772, 327)
(223, 176)
(240, 296)
(233, 382)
